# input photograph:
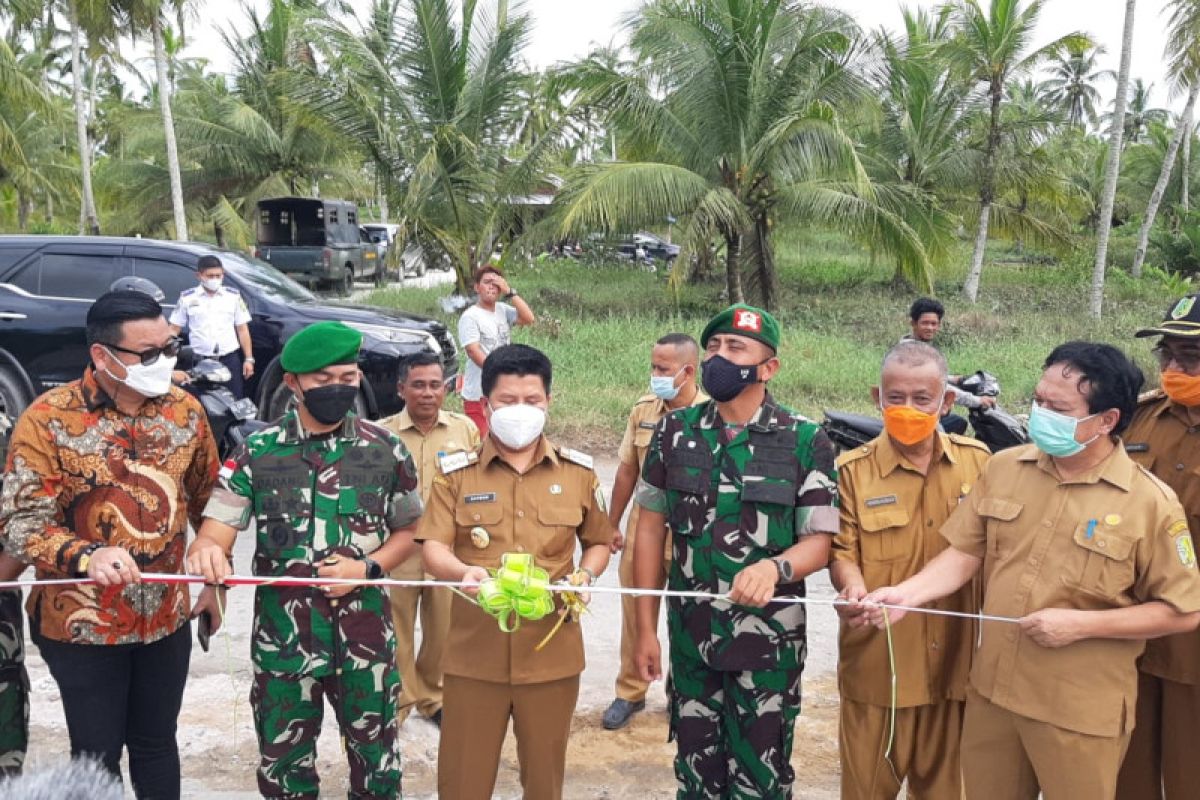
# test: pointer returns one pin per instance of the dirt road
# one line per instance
(219, 752)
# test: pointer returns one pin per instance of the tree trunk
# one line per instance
(1113, 169)
(89, 222)
(1185, 188)
(24, 205)
(219, 234)
(768, 280)
(1164, 178)
(733, 268)
(986, 194)
(164, 99)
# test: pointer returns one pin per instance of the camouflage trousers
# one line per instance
(14, 685)
(733, 730)
(288, 710)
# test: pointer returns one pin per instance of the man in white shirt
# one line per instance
(218, 323)
(482, 328)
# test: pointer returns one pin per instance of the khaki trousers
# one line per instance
(420, 672)
(1163, 760)
(1006, 756)
(475, 721)
(924, 751)
(630, 685)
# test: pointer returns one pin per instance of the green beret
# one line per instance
(321, 345)
(744, 320)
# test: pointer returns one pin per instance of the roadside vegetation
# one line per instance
(839, 311)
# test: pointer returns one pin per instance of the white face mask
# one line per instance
(211, 284)
(517, 426)
(148, 381)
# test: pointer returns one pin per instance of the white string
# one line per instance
(283, 582)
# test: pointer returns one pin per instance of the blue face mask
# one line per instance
(664, 388)
(1054, 433)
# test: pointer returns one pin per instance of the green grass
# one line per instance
(839, 314)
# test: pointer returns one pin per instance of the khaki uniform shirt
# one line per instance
(639, 431)
(1110, 539)
(453, 433)
(891, 515)
(556, 503)
(1166, 441)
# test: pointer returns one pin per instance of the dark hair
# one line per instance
(209, 262)
(925, 305)
(113, 309)
(681, 341)
(1113, 381)
(421, 358)
(515, 359)
(484, 271)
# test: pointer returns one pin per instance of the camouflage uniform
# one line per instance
(14, 681)
(735, 670)
(14, 684)
(311, 498)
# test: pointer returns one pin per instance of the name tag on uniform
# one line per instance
(486, 497)
(1137, 447)
(886, 500)
(647, 425)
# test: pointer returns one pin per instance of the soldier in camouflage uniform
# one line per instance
(334, 496)
(14, 682)
(749, 490)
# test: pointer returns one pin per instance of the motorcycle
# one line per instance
(993, 426)
(230, 419)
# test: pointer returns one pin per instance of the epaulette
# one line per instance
(576, 457)
(646, 398)
(453, 462)
(1167, 491)
(187, 292)
(1152, 396)
(969, 441)
(230, 289)
(854, 455)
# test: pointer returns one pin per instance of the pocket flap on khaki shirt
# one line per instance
(1003, 510)
(881, 519)
(1103, 542)
(471, 514)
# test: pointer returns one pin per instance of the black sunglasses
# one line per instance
(148, 357)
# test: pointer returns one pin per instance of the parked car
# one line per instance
(655, 246)
(317, 242)
(47, 284)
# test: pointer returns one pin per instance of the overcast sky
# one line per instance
(566, 29)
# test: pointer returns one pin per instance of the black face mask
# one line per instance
(330, 404)
(725, 380)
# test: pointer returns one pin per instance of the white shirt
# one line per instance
(488, 329)
(211, 320)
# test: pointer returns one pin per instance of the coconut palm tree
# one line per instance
(1072, 83)
(1139, 114)
(450, 82)
(1116, 132)
(994, 47)
(734, 110)
(1183, 45)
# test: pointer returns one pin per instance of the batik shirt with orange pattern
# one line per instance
(79, 472)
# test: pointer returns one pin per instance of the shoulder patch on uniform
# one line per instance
(453, 462)
(968, 441)
(1151, 396)
(1186, 550)
(854, 455)
(1157, 481)
(576, 457)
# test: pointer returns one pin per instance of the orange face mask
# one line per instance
(1181, 387)
(908, 425)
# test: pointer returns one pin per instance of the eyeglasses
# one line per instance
(148, 357)
(1188, 362)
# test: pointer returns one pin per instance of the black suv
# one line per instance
(47, 284)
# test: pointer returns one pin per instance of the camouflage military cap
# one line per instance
(321, 345)
(744, 320)
(1182, 319)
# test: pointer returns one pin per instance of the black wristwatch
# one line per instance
(374, 571)
(786, 573)
(511, 294)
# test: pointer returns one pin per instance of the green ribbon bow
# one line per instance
(516, 591)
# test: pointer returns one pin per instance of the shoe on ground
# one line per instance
(620, 712)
